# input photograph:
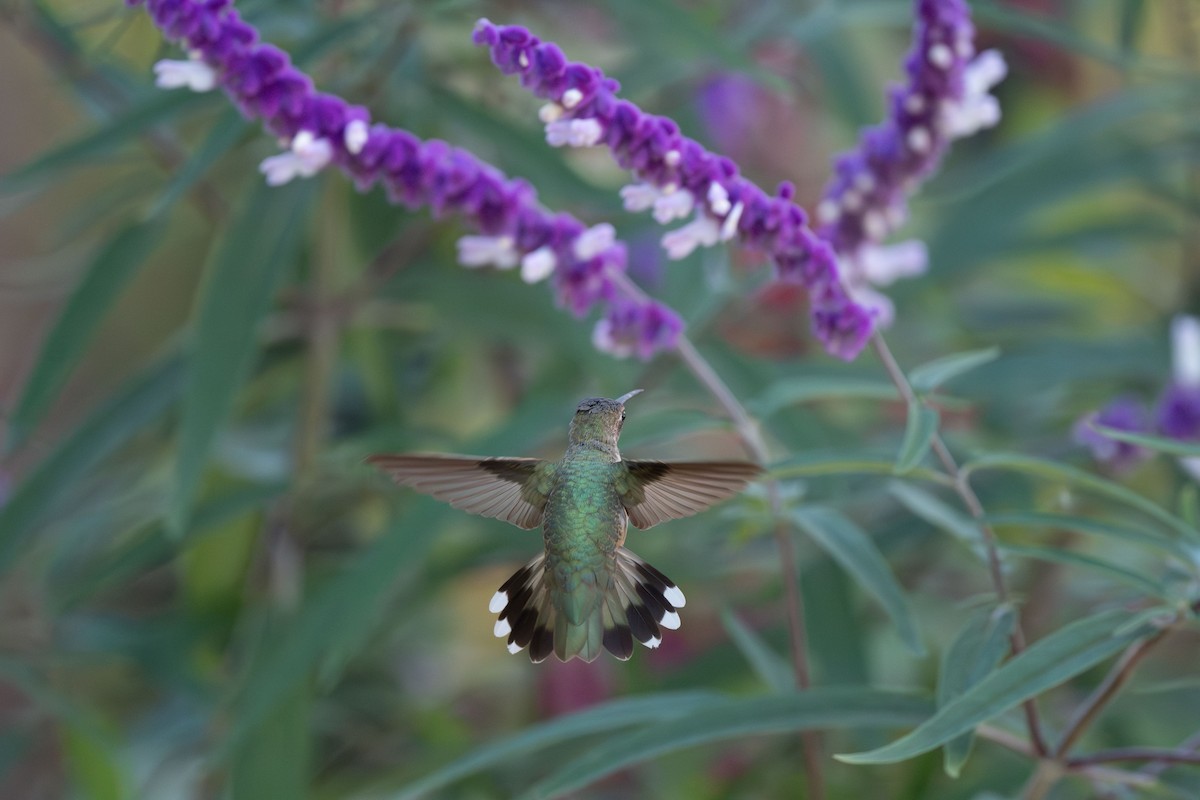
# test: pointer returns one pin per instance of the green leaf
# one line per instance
(856, 552)
(155, 547)
(936, 513)
(822, 708)
(972, 656)
(157, 107)
(599, 719)
(94, 765)
(142, 400)
(789, 392)
(334, 620)
(1033, 26)
(102, 283)
(1158, 444)
(1130, 578)
(240, 283)
(1057, 658)
(1189, 504)
(843, 463)
(933, 374)
(1091, 527)
(1060, 472)
(1130, 20)
(771, 668)
(274, 762)
(225, 134)
(918, 436)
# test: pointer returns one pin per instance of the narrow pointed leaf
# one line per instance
(111, 425)
(771, 668)
(102, 283)
(974, 653)
(918, 435)
(933, 374)
(1158, 444)
(155, 547)
(334, 621)
(1092, 527)
(1057, 658)
(937, 513)
(225, 134)
(155, 108)
(856, 552)
(94, 765)
(792, 391)
(1076, 477)
(843, 463)
(1189, 504)
(275, 761)
(1130, 21)
(819, 708)
(240, 282)
(1098, 565)
(598, 719)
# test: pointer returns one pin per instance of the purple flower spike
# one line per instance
(637, 328)
(1123, 414)
(946, 98)
(677, 178)
(320, 130)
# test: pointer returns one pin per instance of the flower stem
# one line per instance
(1117, 677)
(748, 431)
(962, 488)
(1153, 755)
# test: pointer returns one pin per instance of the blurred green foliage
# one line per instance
(204, 593)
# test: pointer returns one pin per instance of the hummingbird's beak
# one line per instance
(623, 398)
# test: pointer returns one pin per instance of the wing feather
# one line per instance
(655, 491)
(511, 489)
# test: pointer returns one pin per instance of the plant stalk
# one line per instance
(962, 488)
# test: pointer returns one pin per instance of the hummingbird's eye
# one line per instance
(622, 416)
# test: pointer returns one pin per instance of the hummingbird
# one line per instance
(585, 592)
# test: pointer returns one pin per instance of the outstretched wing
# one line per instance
(511, 489)
(654, 491)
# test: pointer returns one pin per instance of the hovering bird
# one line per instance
(586, 592)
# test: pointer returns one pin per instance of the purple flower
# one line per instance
(1123, 414)
(946, 97)
(1179, 412)
(637, 328)
(321, 129)
(678, 177)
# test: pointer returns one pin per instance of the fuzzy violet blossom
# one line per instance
(946, 97)
(319, 130)
(1176, 416)
(1122, 414)
(677, 179)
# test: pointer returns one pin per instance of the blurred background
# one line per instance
(297, 627)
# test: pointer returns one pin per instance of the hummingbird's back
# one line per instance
(586, 593)
(582, 526)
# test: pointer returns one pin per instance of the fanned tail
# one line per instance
(637, 603)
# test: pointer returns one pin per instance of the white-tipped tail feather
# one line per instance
(498, 602)
(638, 603)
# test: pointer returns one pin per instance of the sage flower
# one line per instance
(321, 130)
(675, 177)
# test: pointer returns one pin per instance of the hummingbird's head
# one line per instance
(599, 420)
